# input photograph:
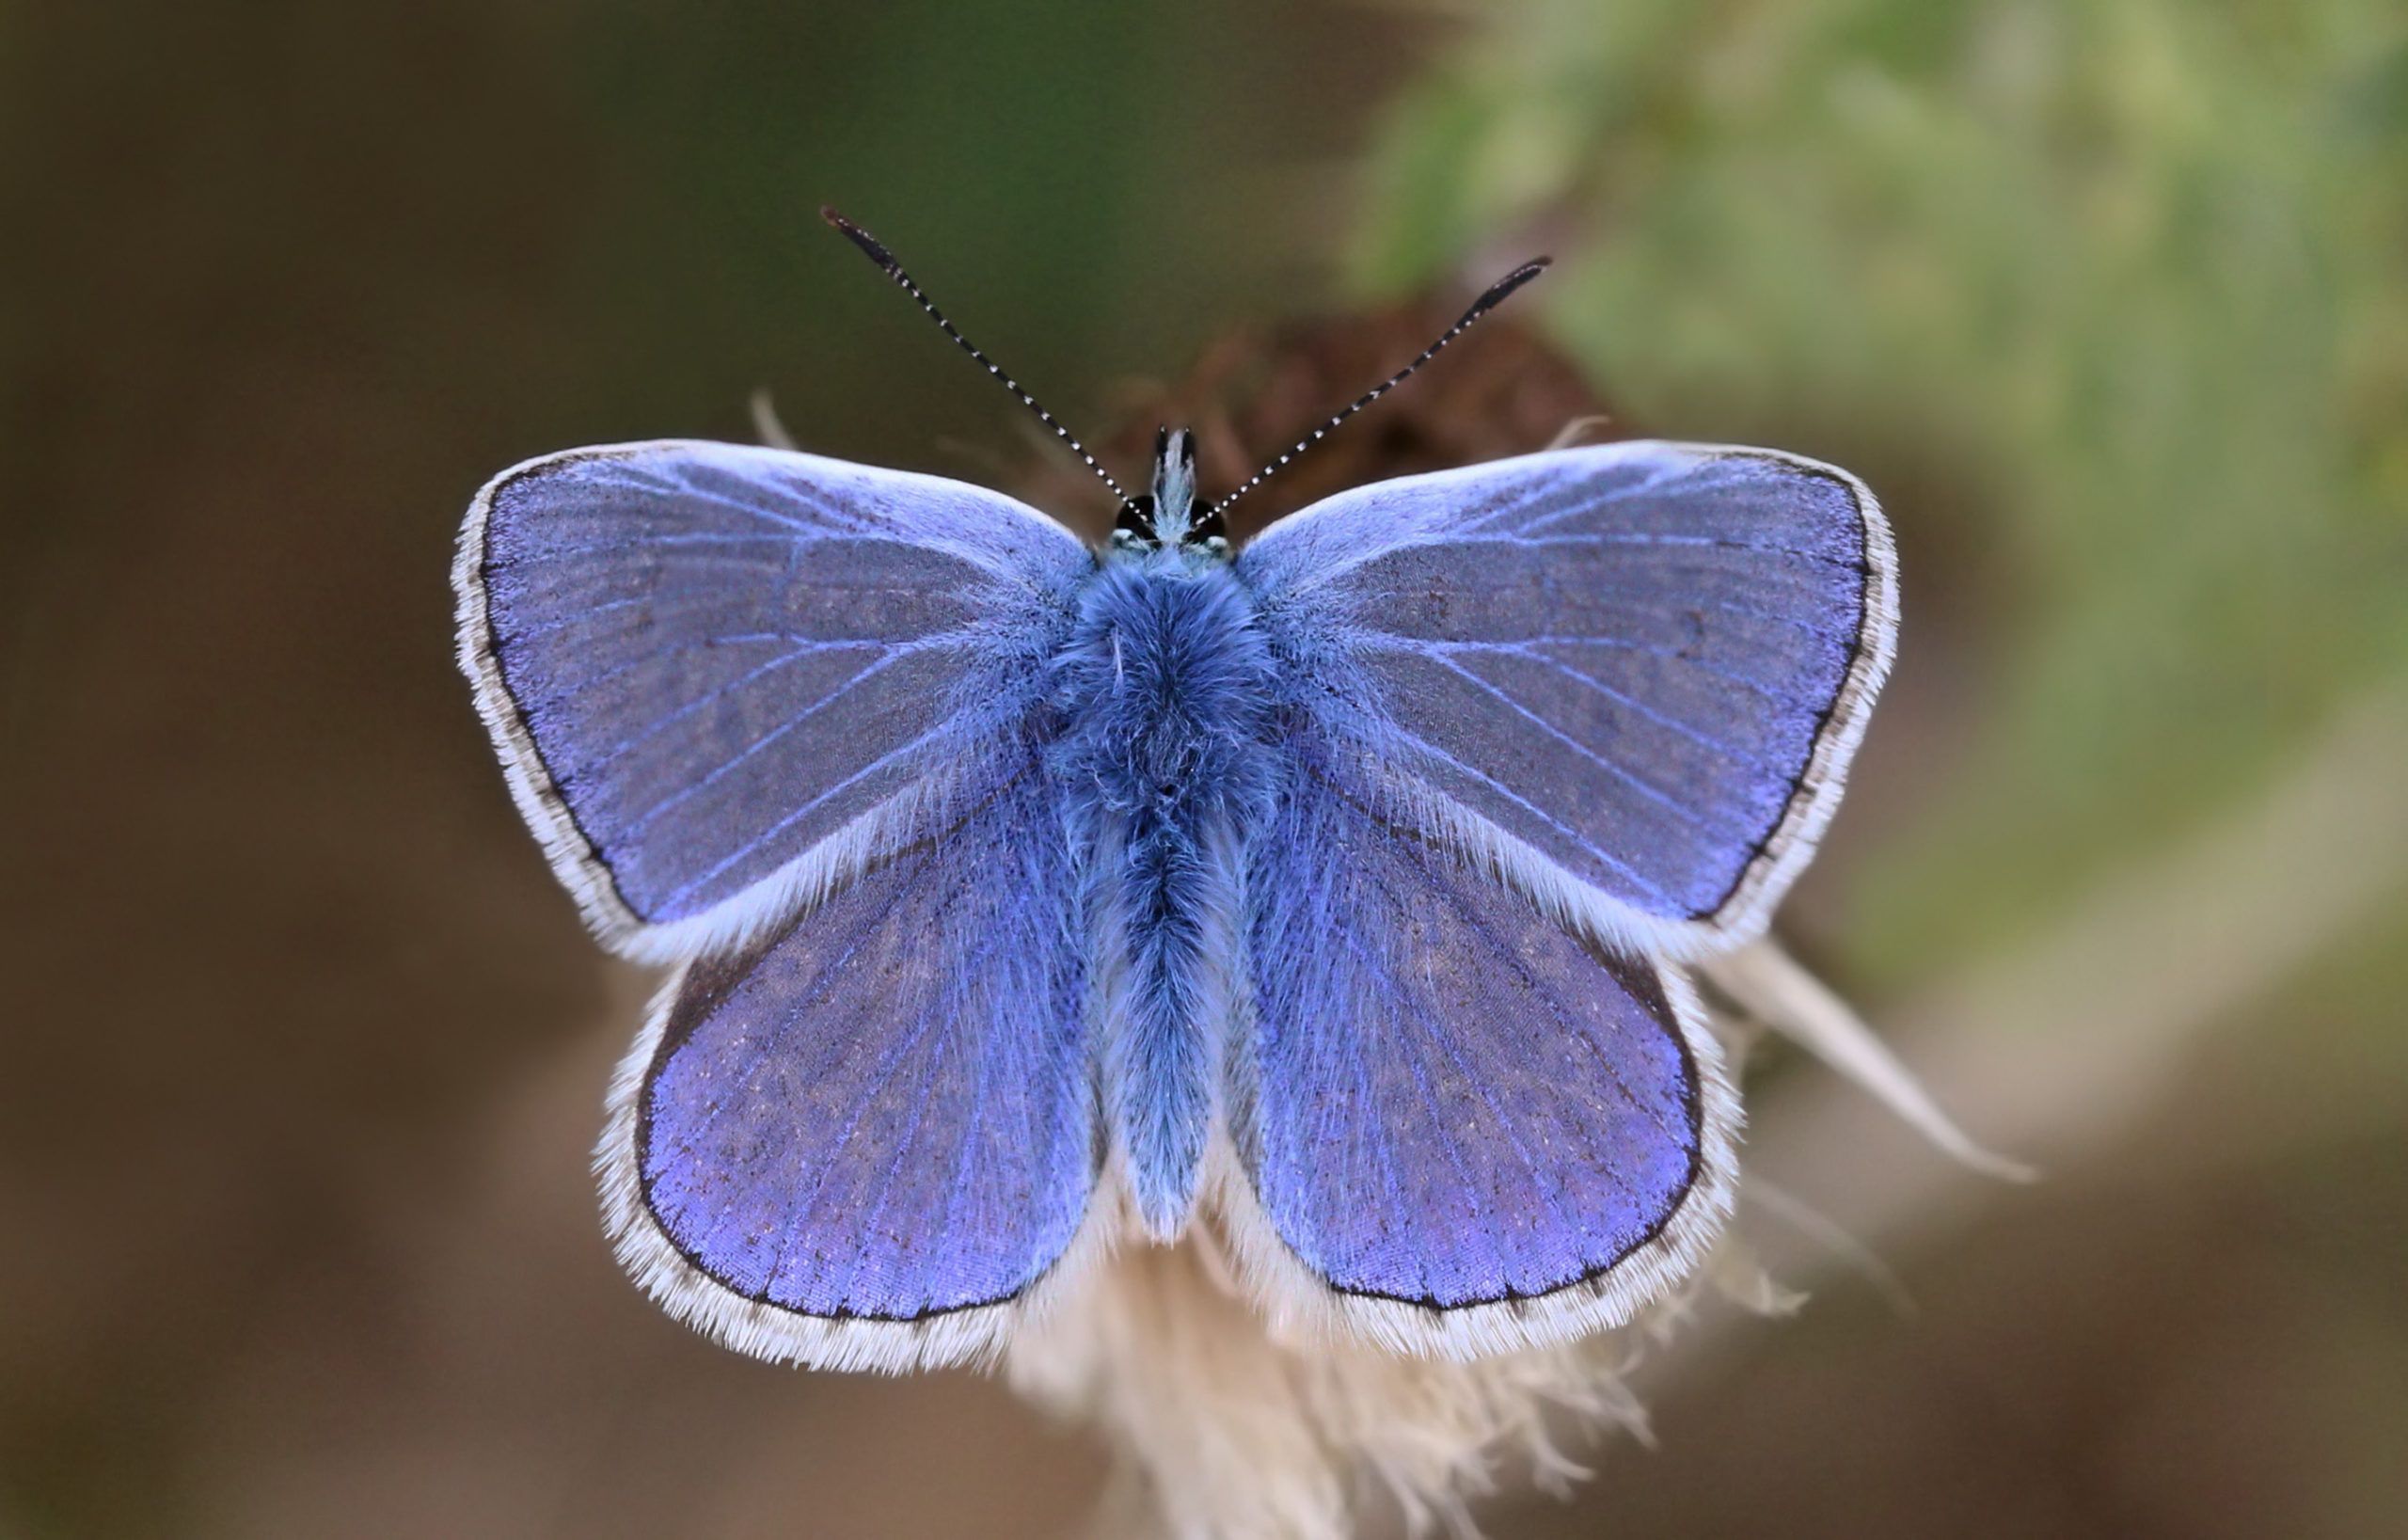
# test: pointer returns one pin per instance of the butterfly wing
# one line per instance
(867, 1140)
(721, 677)
(1462, 1129)
(1630, 676)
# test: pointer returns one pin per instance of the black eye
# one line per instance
(1209, 528)
(1136, 522)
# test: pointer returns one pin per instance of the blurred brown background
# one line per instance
(2106, 299)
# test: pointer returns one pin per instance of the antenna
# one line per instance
(876, 251)
(1490, 299)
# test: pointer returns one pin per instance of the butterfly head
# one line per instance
(1171, 517)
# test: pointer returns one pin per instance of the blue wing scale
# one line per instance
(1630, 676)
(782, 718)
(867, 1140)
(721, 677)
(1463, 1128)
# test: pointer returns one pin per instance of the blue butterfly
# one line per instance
(1026, 898)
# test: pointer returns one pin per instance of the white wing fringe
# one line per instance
(1225, 1431)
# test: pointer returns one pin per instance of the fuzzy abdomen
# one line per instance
(1165, 688)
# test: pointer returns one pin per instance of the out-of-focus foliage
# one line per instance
(2112, 297)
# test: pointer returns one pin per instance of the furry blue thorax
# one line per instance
(1166, 692)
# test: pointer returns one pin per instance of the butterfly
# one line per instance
(1026, 898)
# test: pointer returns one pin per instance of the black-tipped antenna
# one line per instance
(1490, 299)
(876, 251)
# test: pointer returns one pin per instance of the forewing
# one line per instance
(721, 676)
(1631, 675)
(868, 1141)
(1462, 1130)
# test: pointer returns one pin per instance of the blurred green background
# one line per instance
(2109, 301)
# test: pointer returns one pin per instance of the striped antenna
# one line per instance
(1490, 299)
(876, 251)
